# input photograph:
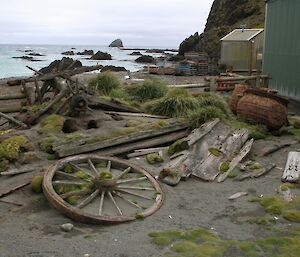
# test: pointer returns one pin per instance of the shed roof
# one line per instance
(242, 35)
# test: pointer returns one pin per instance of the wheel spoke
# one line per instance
(137, 188)
(115, 203)
(124, 173)
(135, 194)
(108, 166)
(131, 180)
(93, 167)
(79, 168)
(76, 193)
(89, 199)
(101, 202)
(71, 176)
(127, 200)
(68, 183)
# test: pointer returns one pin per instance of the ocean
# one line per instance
(10, 67)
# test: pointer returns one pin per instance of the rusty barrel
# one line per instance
(236, 96)
(261, 106)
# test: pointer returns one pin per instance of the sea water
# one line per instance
(11, 67)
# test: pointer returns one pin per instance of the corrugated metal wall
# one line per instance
(282, 46)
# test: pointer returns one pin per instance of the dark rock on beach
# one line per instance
(27, 58)
(63, 64)
(86, 52)
(101, 56)
(116, 43)
(68, 53)
(136, 53)
(113, 68)
(176, 58)
(145, 59)
(155, 51)
(36, 54)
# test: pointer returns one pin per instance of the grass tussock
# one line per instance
(104, 83)
(174, 104)
(149, 90)
(204, 114)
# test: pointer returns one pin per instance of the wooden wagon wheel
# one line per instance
(97, 189)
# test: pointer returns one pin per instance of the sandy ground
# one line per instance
(34, 229)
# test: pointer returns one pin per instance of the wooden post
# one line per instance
(251, 57)
(38, 92)
(26, 93)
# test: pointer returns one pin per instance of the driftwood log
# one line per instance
(96, 102)
(13, 120)
(134, 137)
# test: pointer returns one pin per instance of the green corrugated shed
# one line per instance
(282, 46)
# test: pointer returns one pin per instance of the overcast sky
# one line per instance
(98, 22)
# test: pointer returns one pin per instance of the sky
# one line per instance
(163, 23)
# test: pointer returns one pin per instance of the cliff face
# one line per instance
(225, 15)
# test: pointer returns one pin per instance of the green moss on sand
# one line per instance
(178, 146)
(224, 167)
(214, 151)
(36, 184)
(204, 243)
(153, 158)
(53, 124)
(11, 147)
(278, 206)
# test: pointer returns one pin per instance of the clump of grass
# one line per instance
(104, 83)
(172, 105)
(150, 89)
(201, 115)
(257, 132)
(215, 101)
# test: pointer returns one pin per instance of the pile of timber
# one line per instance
(123, 144)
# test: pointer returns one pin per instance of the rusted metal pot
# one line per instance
(262, 107)
(236, 96)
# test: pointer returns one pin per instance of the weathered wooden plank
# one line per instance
(252, 174)
(13, 120)
(208, 169)
(145, 115)
(96, 102)
(236, 160)
(199, 133)
(134, 137)
(145, 152)
(292, 169)
(151, 142)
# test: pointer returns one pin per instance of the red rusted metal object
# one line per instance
(236, 96)
(260, 106)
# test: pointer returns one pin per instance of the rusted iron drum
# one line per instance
(263, 107)
(236, 96)
(101, 190)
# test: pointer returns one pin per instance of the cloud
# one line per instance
(147, 22)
